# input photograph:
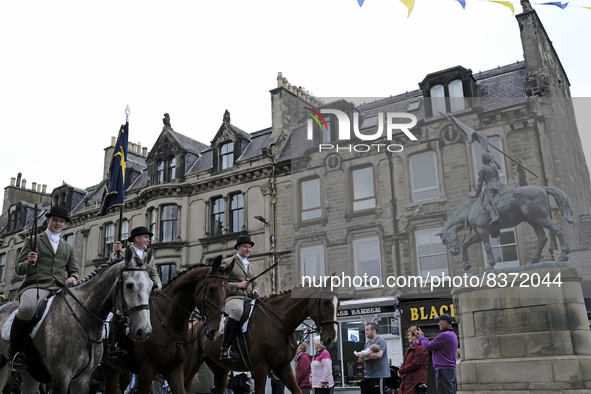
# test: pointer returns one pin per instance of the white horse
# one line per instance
(68, 343)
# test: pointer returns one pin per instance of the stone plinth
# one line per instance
(518, 339)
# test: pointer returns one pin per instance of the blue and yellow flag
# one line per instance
(114, 192)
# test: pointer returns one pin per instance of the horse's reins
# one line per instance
(126, 312)
(203, 318)
(288, 336)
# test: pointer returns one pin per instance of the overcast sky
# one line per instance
(69, 68)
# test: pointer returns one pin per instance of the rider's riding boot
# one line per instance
(18, 331)
(226, 352)
(113, 350)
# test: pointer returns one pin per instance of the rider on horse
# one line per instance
(239, 281)
(46, 270)
(139, 239)
(489, 174)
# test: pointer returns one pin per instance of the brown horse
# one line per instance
(204, 287)
(271, 337)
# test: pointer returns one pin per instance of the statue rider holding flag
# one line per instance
(489, 174)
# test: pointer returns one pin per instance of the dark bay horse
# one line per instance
(529, 204)
(69, 340)
(271, 337)
(204, 287)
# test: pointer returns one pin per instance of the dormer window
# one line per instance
(456, 96)
(226, 156)
(166, 171)
(160, 173)
(171, 169)
(448, 91)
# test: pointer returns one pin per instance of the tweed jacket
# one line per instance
(239, 274)
(150, 267)
(52, 267)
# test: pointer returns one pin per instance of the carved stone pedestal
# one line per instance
(517, 339)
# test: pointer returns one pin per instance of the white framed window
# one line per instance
(370, 121)
(237, 212)
(166, 272)
(438, 100)
(153, 224)
(218, 217)
(160, 173)
(168, 223)
(326, 132)
(124, 232)
(456, 95)
(108, 239)
(312, 261)
(504, 249)
(310, 200)
(431, 253)
(227, 156)
(423, 176)
(366, 254)
(363, 189)
(2, 266)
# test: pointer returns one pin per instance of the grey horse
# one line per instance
(69, 340)
(524, 204)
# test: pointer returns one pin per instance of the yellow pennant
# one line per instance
(506, 4)
(410, 4)
(589, 8)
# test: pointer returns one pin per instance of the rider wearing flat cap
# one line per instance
(46, 270)
(240, 288)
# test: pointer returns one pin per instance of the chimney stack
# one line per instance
(12, 181)
(24, 184)
(18, 180)
(34, 186)
(44, 190)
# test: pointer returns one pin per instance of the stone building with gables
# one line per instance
(358, 207)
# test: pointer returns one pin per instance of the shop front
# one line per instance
(352, 317)
(422, 314)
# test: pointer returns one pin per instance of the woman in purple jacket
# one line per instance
(413, 370)
(303, 361)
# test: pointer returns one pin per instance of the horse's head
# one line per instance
(323, 309)
(211, 297)
(451, 239)
(133, 293)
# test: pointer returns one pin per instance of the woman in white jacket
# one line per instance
(321, 367)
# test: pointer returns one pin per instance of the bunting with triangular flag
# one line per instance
(506, 4)
(410, 4)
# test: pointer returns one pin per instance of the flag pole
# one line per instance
(515, 161)
(120, 230)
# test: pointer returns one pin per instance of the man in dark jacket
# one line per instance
(444, 348)
(47, 269)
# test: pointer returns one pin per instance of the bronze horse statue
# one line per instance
(69, 341)
(271, 339)
(170, 344)
(524, 204)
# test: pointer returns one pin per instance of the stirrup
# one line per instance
(115, 351)
(228, 354)
(18, 362)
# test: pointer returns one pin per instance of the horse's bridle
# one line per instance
(317, 302)
(202, 318)
(127, 311)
